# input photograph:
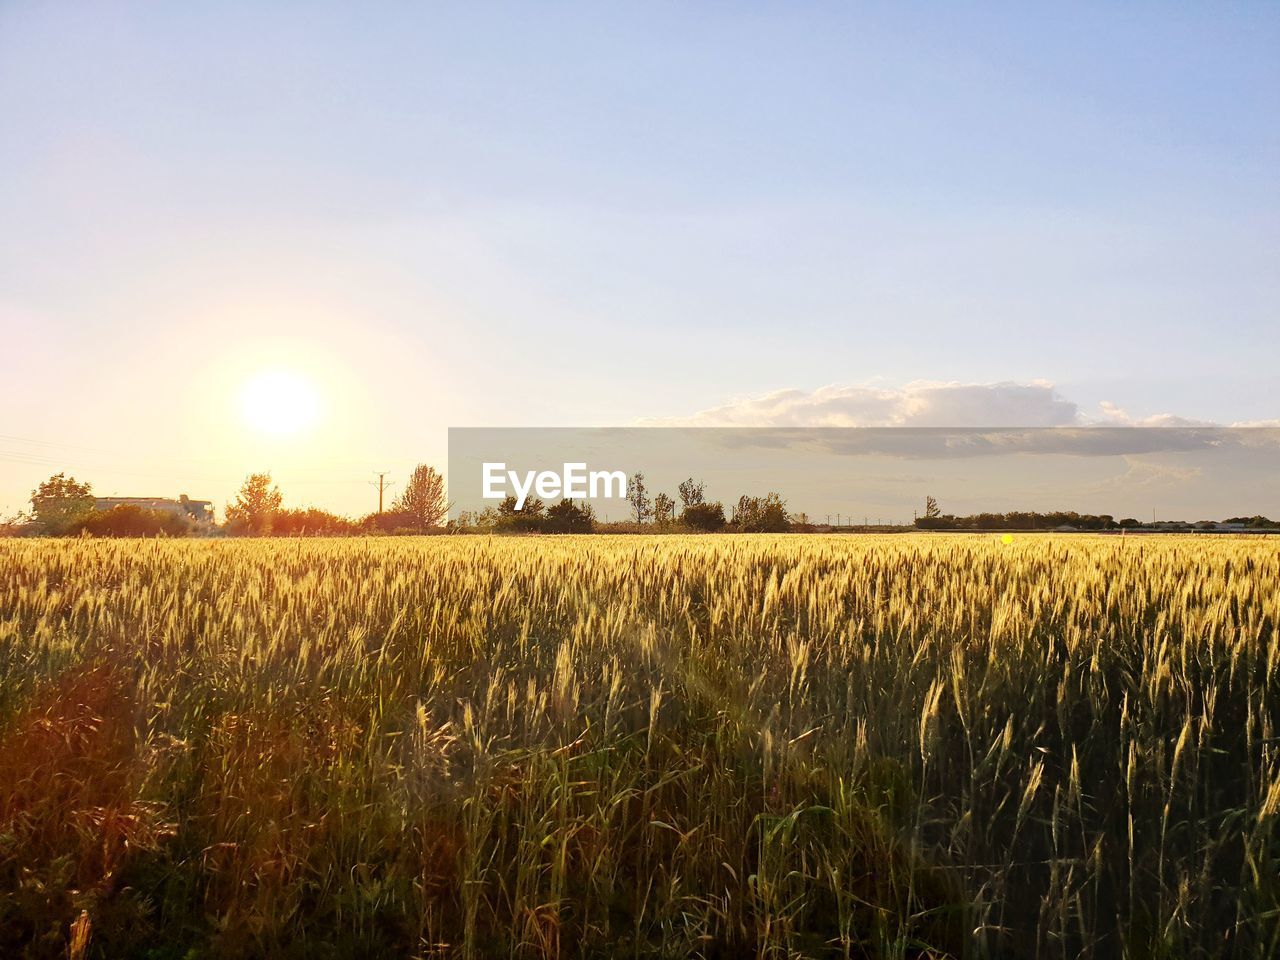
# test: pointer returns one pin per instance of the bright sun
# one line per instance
(280, 403)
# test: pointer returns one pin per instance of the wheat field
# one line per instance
(745, 746)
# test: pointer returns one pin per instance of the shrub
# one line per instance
(18, 526)
(703, 516)
(761, 515)
(311, 522)
(129, 520)
(526, 519)
(567, 517)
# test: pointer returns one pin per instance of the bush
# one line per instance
(526, 519)
(311, 522)
(128, 520)
(761, 515)
(703, 516)
(1258, 522)
(567, 517)
(389, 521)
(18, 526)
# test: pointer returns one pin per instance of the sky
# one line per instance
(885, 474)
(433, 216)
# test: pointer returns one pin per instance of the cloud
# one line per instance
(926, 403)
(1144, 473)
(1118, 417)
(922, 403)
(952, 420)
(956, 443)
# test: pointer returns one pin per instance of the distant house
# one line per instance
(200, 511)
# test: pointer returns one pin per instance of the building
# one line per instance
(199, 511)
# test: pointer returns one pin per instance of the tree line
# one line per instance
(690, 510)
(65, 506)
(935, 519)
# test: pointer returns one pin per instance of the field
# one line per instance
(641, 746)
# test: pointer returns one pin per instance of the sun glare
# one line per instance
(280, 403)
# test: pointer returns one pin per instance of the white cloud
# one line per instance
(1115, 416)
(925, 403)
(967, 420)
(922, 403)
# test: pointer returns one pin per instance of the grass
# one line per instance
(641, 746)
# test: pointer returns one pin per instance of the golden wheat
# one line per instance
(650, 746)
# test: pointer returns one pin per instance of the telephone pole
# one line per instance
(382, 486)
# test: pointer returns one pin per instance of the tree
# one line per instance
(703, 516)
(766, 514)
(1258, 522)
(424, 498)
(475, 521)
(526, 519)
(933, 518)
(692, 493)
(255, 506)
(664, 509)
(567, 517)
(638, 497)
(59, 502)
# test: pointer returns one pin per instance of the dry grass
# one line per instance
(665, 746)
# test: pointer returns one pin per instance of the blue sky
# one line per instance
(588, 214)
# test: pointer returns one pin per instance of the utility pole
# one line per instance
(382, 486)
